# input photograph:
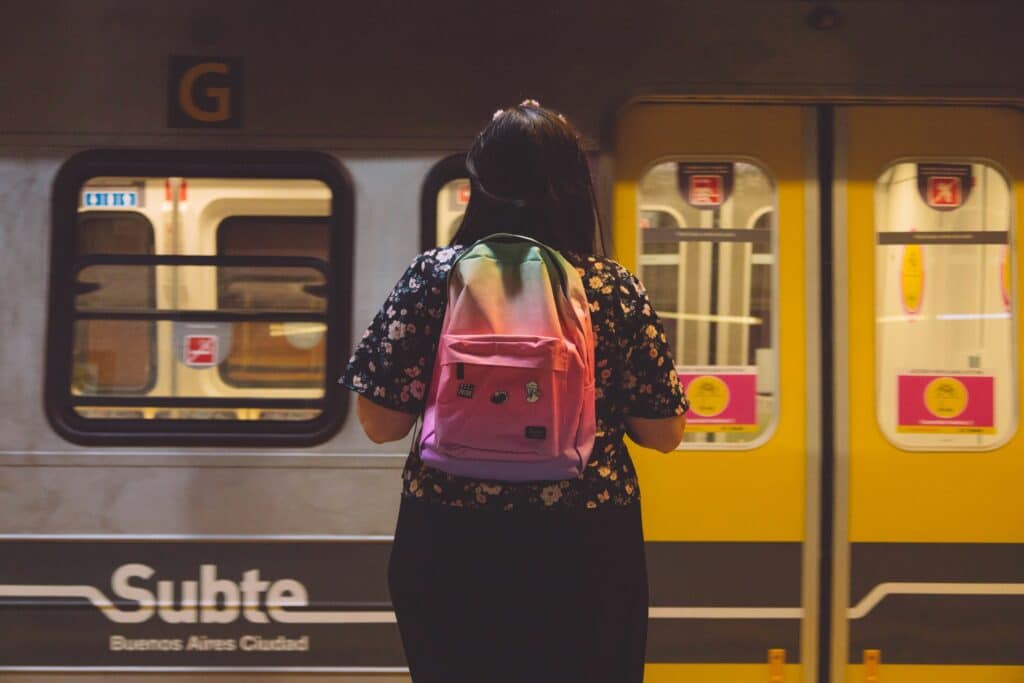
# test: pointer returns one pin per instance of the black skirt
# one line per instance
(530, 596)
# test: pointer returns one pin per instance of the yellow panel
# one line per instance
(907, 496)
(747, 495)
(917, 673)
(719, 673)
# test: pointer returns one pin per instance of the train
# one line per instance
(204, 204)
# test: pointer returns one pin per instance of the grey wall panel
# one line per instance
(408, 70)
(26, 181)
(197, 500)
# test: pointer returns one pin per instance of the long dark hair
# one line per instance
(529, 176)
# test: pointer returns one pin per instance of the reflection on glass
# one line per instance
(115, 357)
(230, 288)
(945, 364)
(706, 233)
(117, 351)
(452, 200)
(274, 354)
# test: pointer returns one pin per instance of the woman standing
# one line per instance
(539, 581)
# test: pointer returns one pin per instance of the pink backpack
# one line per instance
(512, 394)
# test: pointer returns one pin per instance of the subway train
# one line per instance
(204, 203)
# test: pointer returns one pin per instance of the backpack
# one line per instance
(512, 393)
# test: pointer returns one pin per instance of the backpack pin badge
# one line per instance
(532, 392)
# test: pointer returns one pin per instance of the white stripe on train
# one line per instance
(281, 615)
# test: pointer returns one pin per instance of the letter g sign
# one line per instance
(204, 92)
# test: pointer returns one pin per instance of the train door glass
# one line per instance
(945, 362)
(205, 300)
(101, 363)
(452, 200)
(273, 354)
(706, 256)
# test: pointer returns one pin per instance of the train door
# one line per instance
(930, 454)
(714, 209)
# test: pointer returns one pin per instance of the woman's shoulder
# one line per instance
(604, 265)
(603, 272)
(436, 259)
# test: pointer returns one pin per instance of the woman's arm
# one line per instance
(383, 424)
(662, 434)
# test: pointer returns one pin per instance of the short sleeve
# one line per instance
(649, 376)
(394, 359)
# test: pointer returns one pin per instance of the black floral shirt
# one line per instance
(634, 371)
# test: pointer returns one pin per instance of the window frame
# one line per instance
(452, 167)
(229, 221)
(772, 426)
(60, 403)
(100, 214)
(1014, 422)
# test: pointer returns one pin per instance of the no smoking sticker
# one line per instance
(200, 350)
(944, 191)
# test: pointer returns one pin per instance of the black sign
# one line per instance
(204, 92)
(944, 186)
(945, 237)
(705, 185)
(221, 603)
(196, 603)
(671, 235)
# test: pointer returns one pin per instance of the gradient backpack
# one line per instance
(512, 393)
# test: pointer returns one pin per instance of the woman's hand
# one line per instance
(383, 424)
(662, 434)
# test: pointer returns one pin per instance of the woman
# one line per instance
(538, 581)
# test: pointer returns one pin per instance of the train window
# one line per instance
(269, 354)
(707, 258)
(946, 359)
(200, 300)
(98, 367)
(451, 206)
(443, 202)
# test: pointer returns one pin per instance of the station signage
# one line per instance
(196, 603)
(204, 92)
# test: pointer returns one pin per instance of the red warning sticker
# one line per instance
(200, 350)
(705, 184)
(706, 190)
(945, 186)
(944, 191)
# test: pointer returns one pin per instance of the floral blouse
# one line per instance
(635, 375)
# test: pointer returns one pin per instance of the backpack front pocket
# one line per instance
(499, 397)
